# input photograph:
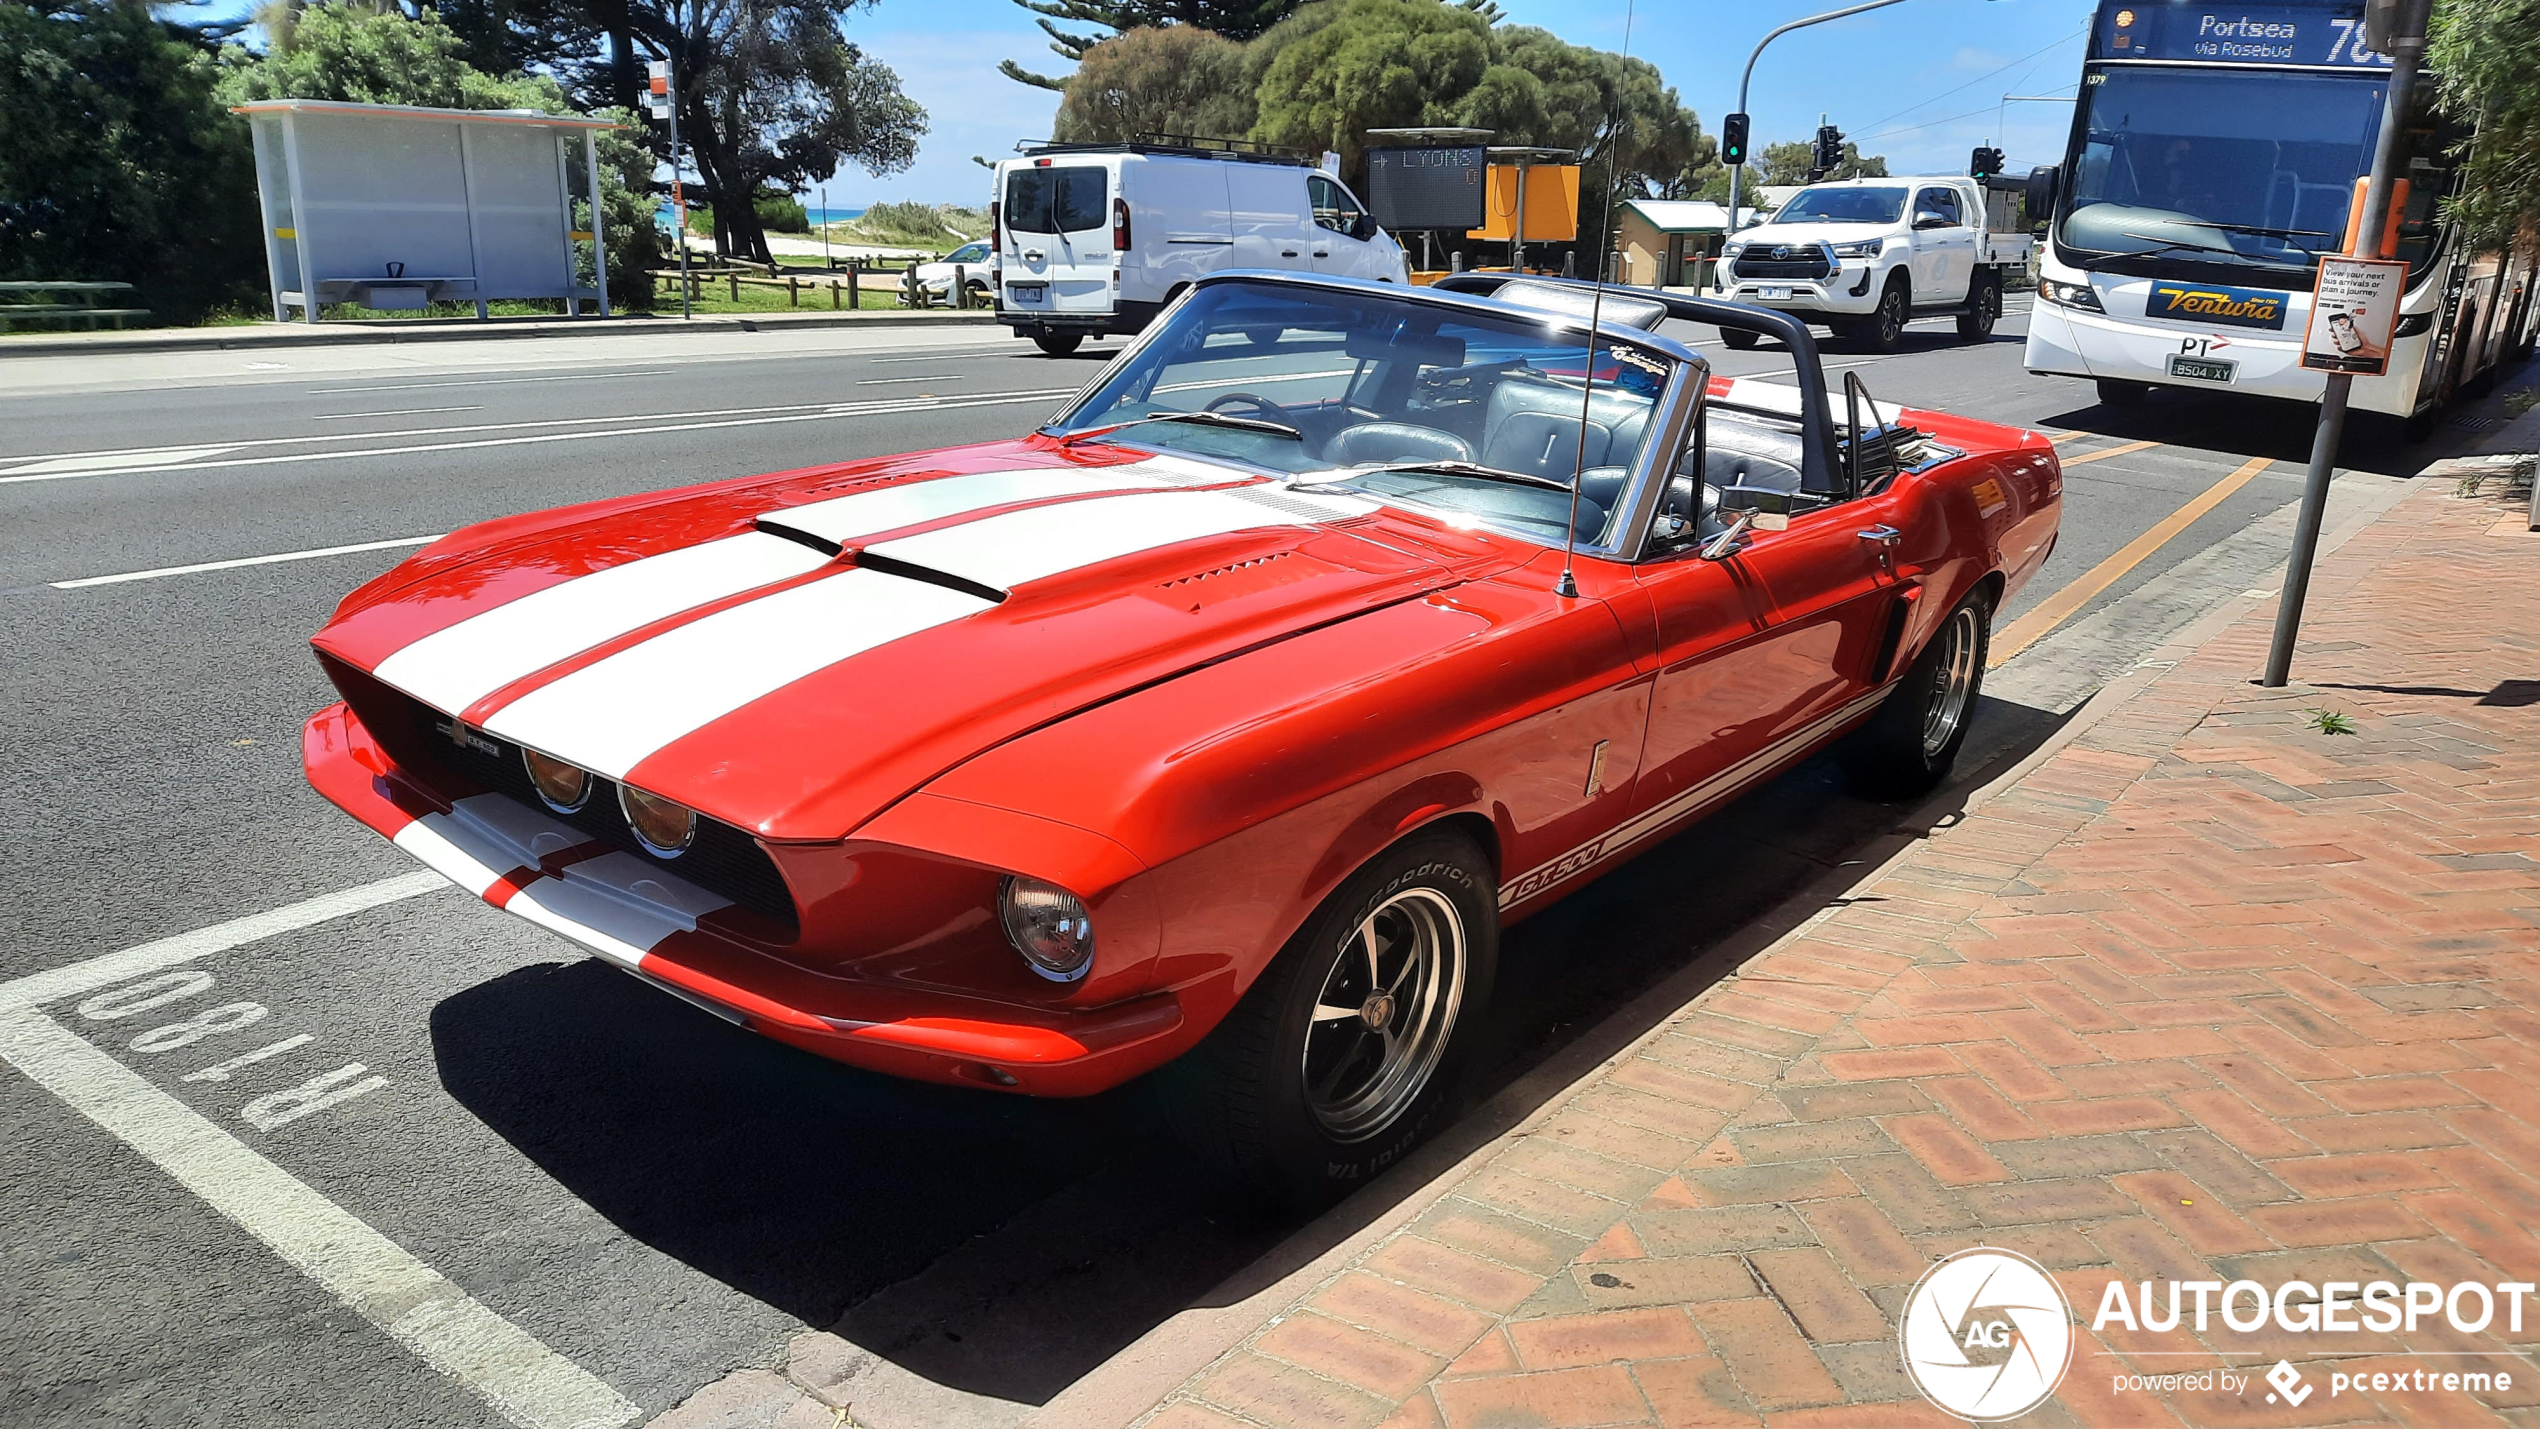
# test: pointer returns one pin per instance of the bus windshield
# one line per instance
(2215, 165)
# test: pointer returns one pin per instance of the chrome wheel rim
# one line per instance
(1954, 682)
(1384, 1015)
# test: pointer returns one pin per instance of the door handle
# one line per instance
(1882, 535)
(1322, 253)
(1033, 255)
(1287, 253)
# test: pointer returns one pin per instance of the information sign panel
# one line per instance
(2354, 313)
(1412, 189)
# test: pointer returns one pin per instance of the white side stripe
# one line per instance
(454, 668)
(613, 715)
(845, 518)
(1006, 551)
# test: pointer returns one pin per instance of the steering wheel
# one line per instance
(1261, 407)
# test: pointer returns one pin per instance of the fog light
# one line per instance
(660, 825)
(564, 787)
(1049, 926)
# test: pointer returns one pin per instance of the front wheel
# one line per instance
(1909, 745)
(2116, 393)
(1738, 339)
(1058, 344)
(1984, 306)
(1883, 329)
(1347, 1052)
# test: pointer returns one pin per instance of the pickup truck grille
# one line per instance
(1776, 260)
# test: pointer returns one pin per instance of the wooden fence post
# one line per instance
(855, 298)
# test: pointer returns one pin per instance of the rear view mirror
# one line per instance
(2040, 198)
(1423, 349)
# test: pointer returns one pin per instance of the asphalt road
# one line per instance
(655, 1197)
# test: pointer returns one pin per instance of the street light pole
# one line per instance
(2011, 99)
(2407, 49)
(1738, 171)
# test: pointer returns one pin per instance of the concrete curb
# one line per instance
(1131, 1384)
(280, 335)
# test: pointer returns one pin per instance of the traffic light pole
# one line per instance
(2406, 50)
(1737, 171)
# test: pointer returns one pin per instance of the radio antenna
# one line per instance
(1569, 585)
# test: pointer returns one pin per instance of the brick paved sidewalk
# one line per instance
(2210, 994)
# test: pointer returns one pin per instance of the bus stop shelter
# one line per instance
(393, 206)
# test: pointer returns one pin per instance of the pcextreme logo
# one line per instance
(1986, 1334)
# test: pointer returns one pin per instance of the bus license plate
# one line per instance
(2202, 369)
(1777, 293)
(1028, 292)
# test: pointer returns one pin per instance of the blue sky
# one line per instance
(1887, 78)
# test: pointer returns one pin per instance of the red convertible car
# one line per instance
(1223, 722)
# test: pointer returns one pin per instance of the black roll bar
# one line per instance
(1817, 439)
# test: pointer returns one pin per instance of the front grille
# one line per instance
(722, 859)
(1779, 260)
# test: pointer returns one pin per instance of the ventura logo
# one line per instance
(2214, 303)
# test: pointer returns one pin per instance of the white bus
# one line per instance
(2215, 154)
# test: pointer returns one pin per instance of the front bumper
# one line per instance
(1834, 295)
(665, 931)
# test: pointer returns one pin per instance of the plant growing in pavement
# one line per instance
(2331, 722)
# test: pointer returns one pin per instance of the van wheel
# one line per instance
(1264, 336)
(2115, 393)
(1348, 1051)
(1984, 306)
(1738, 339)
(1908, 746)
(1058, 344)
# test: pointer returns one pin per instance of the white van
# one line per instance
(1097, 238)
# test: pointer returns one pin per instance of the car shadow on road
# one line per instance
(2245, 426)
(1006, 1247)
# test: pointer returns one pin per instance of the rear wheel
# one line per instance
(2115, 393)
(1348, 1050)
(1984, 306)
(1738, 339)
(1907, 748)
(1058, 344)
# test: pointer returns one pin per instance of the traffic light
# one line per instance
(1733, 140)
(1829, 148)
(1984, 163)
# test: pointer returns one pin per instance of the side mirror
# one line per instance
(2040, 198)
(1928, 219)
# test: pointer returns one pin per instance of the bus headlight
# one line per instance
(2071, 295)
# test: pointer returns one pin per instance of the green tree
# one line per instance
(1174, 79)
(1336, 69)
(1789, 163)
(357, 52)
(1234, 19)
(2487, 54)
(117, 164)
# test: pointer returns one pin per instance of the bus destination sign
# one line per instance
(2250, 35)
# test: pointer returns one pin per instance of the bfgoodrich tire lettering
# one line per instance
(1339, 1061)
(1908, 746)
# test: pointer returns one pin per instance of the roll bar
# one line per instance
(1817, 438)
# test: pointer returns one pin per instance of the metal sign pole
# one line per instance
(663, 100)
(2407, 48)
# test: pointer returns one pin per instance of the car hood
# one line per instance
(795, 654)
(1810, 233)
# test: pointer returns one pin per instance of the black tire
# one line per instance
(1884, 329)
(1264, 336)
(1984, 306)
(1058, 344)
(2122, 395)
(981, 297)
(1738, 339)
(1241, 1099)
(1910, 743)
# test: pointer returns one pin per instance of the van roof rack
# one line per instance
(1188, 145)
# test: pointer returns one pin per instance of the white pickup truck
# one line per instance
(1864, 256)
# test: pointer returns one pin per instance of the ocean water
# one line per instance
(818, 215)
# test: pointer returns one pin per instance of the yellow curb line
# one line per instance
(2112, 451)
(2056, 609)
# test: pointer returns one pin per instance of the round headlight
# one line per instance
(660, 825)
(1049, 926)
(564, 787)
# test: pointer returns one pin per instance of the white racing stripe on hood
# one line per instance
(454, 668)
(845, 518)
(1006, 551)
(612, 715)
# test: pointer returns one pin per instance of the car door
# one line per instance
(1058, 237)
(1269, 217)
(1944, 254)
(1338, 216)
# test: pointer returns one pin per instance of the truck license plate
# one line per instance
(2202, 369)
(1028, 292)
(1774, 292)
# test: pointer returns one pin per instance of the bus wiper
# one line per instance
(2181, 243)
(1453, 468)
(1205, 419)
(2258, 229)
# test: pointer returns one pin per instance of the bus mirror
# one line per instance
(2041, 192)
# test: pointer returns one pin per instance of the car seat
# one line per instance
(1371, 442)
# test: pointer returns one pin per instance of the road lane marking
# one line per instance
(889, 381)
(2059, 607)
(86, 581)
(2124, 450)
(526, 1382)
(825, 413)
(109, 969)
(90, 463)
(485, 382)
(400, 412)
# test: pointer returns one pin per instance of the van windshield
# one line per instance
(1055, 200)
(1467, 413)
(1845, 205)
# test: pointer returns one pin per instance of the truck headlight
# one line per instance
(1865, 248)
(1048, 925)
(2071, 295)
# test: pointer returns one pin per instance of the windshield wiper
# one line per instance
(2260, 230)
(2181, 243)
(1452, 468)
(1205, 419)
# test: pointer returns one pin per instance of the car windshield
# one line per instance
(1471, 414)
(2218, 166)
(1844, 205)
(968, 253)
